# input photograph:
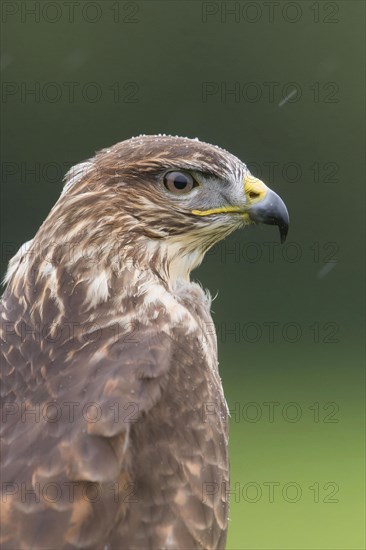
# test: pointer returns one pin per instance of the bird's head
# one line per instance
(164, 199)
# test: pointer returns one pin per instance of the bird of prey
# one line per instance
(114, 423)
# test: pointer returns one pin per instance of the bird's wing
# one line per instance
(67, 412)
(82, 416)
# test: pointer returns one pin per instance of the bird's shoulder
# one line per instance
(75, 384)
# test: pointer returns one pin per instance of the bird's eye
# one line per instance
(179, 182)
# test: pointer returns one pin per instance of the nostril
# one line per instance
(254, 195)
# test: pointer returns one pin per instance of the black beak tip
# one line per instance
(272, 211)
(282, 219)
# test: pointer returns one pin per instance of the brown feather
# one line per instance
(107, 370)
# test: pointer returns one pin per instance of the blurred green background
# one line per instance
(281, 85)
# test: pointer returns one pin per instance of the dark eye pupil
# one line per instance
(180, 181)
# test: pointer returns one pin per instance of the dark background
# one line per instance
(279, 84)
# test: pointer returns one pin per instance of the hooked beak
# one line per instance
(265, 206)
(262, 205)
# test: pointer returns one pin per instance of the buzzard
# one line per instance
(114, 423)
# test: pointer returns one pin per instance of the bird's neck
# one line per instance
(103, 271)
